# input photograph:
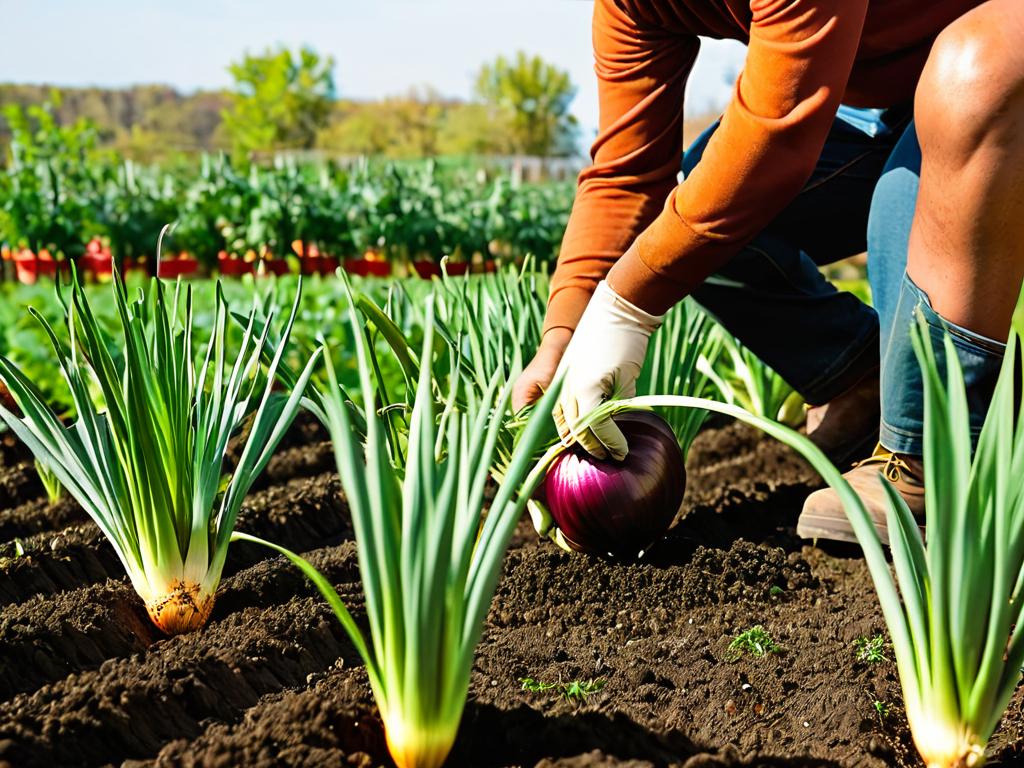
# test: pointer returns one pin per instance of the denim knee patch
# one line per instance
(980, 358)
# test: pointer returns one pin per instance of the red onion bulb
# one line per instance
(619, 508)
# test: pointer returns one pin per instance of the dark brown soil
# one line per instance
(85, 679)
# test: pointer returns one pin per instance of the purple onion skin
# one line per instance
(619, 508)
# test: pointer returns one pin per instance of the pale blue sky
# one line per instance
(381, 47)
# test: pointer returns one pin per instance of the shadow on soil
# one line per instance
(525, 736)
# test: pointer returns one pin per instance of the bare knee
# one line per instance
(972, 88)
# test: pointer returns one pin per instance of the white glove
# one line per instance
(603, 359)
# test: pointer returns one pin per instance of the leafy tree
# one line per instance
(399, 126)
(534, 97)
(143, 122)
(417, 118)
(281, 100)
(357, 130)
(473, 129)
(39, 135)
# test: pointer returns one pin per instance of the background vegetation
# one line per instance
(287, 100)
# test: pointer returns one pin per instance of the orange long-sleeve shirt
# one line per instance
(657, 241)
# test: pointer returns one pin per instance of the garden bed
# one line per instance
(85, 679)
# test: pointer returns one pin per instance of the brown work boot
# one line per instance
(846, 427)
(823, 516)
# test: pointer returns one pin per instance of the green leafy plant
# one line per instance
(145, 456)
(47, 182)
(870, 650)
(429, 555)
(577, 690)
(278, 215)
(754, 642)
(135, 203)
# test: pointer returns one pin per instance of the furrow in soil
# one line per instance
(130, 707)
(300, 514)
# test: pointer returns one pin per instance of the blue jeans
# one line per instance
(772, 296)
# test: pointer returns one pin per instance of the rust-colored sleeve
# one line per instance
(641, 73)
(771, 135)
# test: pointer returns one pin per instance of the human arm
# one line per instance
(641, 74)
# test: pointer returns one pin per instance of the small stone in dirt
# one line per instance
(881, 748)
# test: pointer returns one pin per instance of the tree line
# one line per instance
(286, 100)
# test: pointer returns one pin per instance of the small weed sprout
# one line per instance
(17, 550)
(870, 650)
(577, 690)
(881, 709)
(537, 686)
(755, 642)
(775, 590)
(51, 483)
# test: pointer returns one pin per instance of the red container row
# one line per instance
(29, 267)
(98, 262)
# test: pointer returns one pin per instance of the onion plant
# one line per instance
(681, 358)
(492, 323)
(429, 555)
(146, 453)
(489, 325)
(743, 379)
(955, 608)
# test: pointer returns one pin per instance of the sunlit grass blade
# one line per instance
(51, 483)
(674, 364)
(743, 379)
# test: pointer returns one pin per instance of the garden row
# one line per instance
(61, 201)
(86, 680)
(734, 374)
(180, 405)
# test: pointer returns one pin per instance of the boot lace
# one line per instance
(894, 467)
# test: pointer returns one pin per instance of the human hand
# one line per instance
(603, 360)
(538, 375)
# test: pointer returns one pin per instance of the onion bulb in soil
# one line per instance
(619, 508)
(184, 609)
